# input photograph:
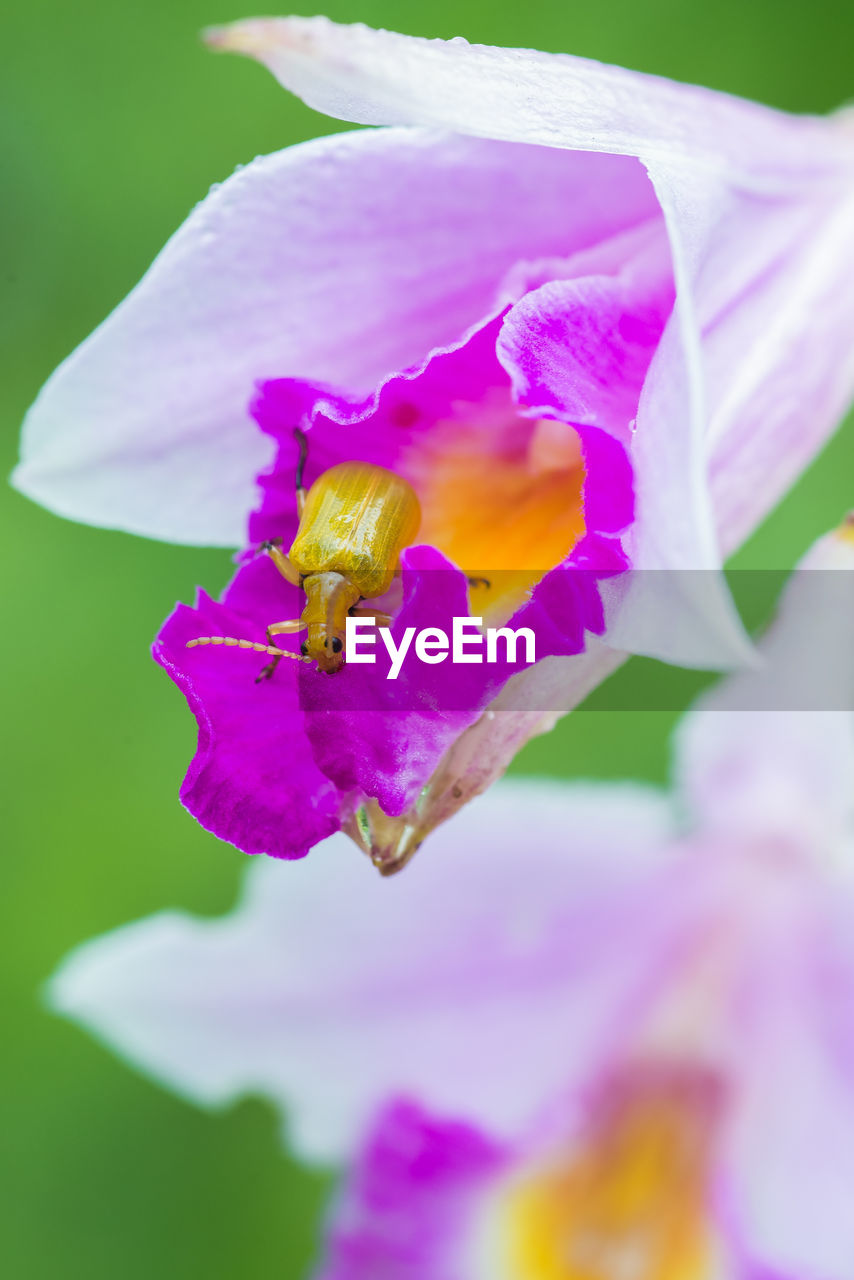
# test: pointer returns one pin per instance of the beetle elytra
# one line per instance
(353, 524)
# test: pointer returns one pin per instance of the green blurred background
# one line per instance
(116, 121)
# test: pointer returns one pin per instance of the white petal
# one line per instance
(777, 345)
(380, 77)
(330, 989)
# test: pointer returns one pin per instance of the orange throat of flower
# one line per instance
(630, 1203)
(501, 496)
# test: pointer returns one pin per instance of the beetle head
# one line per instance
(328, 598)
(325, 647)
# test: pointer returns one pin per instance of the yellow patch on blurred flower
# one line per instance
(629, 1201)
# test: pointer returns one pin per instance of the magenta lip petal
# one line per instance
(358, 732)
(385, 737)
(376, 429)
(275, 761)
(253, 780)
(407, 1204)
(580, 347)
(609, 496)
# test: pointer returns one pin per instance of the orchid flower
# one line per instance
(598, 1033)
(600, 321)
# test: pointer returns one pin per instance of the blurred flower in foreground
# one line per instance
(598, 320)
(589, 1036)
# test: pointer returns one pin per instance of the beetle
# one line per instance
(353, 524)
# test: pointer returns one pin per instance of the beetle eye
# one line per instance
(304, 649)
(337, 644)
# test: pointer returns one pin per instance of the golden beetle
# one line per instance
(353, 524)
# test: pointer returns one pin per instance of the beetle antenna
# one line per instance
(247, 644)
(302, 441)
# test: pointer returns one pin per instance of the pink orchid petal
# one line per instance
(764, 276)
(775, 386)
(599, 942)
(342, 260)
(774, 747)
(765, 390)
(581, 346)
(428, 979)
(790, 1147)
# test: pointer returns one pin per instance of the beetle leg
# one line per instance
(383, 619)
(278, 629)
(284, 628)
(282, 563)
(302, 441)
